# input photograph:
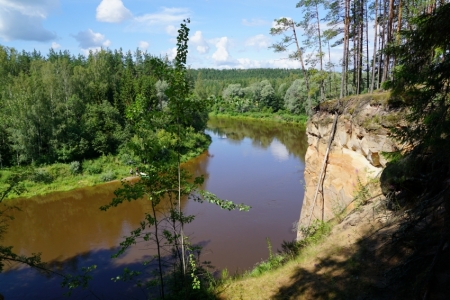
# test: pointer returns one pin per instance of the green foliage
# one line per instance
(80, 280)
(420, 81)
(127, 159)
(164, 138)
(75, 167)
(41, 176)
(296, 96)
(392, 157)
(361, 194)
(102, 126)
(92, 167)
(314, 233)
(272, 263)
(68, 108)
(108, 176)
(59, 170)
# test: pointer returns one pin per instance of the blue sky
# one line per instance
(224, 33)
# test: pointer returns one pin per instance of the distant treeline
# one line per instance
(256, 90)
(63, 108)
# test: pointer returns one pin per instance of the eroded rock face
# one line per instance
(354, 158)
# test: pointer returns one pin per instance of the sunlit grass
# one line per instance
(266, 116)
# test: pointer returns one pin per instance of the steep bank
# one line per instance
(355, 157)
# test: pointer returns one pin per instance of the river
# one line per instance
(260, 164)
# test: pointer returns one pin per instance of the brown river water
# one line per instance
(260, 164)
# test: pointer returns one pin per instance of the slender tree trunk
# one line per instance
(367, 49)
(179, 199)
(346, 49)
(355, 47)
(399, 26)
(356, 56)
(305, 74)
(344, 53)
(330, 77)
(175, 231)
(382, 43)
(320, 55)
(158, 247)
(389, 38)
(374, 47)
(361, 45)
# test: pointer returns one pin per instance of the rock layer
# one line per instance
(362, 134)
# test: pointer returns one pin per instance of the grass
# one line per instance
(281, 117)
(65, 177)
(259, 282)
(337, 265)
(337, 259)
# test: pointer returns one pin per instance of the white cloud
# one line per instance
(90, 40)
(112, 11)
(279, 151)
(258, 41)
(283, 63)
(22, 19)
(143, 45)
(254, 22)
(199, 42)
(56, 45)
(246, 63)
(162, 19)
(221, 56)
(36, 8)
(171, 53)
(171, 30)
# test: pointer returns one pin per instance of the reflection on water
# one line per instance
(256, 163)
(262, 134)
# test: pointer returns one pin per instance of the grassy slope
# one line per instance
(340, 267)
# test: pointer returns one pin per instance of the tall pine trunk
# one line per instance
(345, 52)
(374, 48)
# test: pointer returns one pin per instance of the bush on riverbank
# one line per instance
(64, 177)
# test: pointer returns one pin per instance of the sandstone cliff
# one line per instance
(355, 158)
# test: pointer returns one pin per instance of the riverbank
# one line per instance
(265, 116)
(61, 177)
(345, 256)
(389, 238)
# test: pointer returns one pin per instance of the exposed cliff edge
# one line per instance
(355, 158)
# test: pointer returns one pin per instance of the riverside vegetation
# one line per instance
(403, 253)
(164, 133)
(395, 247)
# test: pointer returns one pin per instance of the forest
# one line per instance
(66, 108)
(62, 108)
(364, 30)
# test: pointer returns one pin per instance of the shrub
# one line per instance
(314, 233)
(59, 170)
(108, 176)
(92, 167)
(41, 175)
(75, 167)
(271, 264)
(127, 159)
